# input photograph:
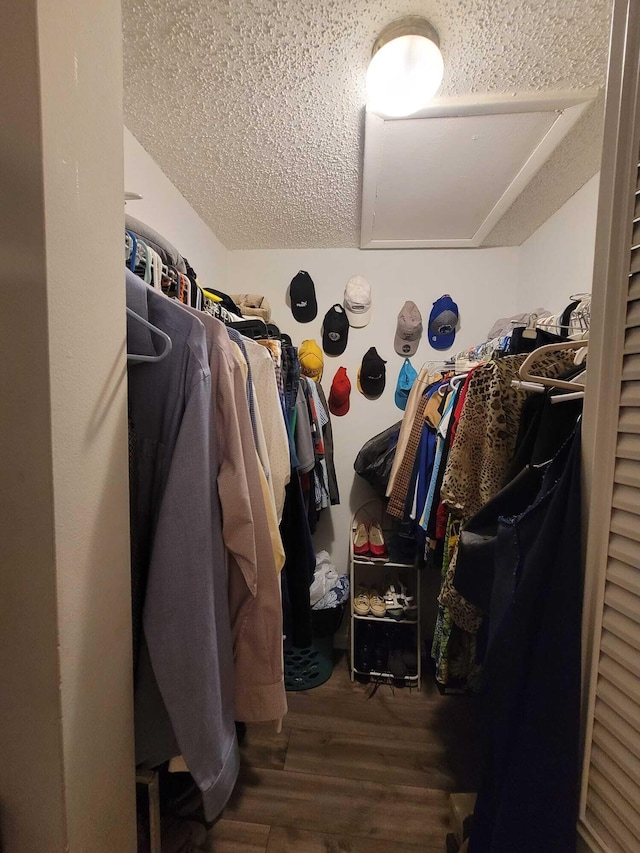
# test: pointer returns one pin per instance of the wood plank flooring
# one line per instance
(352, 773)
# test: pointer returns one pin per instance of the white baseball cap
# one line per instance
(357, 301)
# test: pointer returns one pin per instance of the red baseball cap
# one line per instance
(339, 394)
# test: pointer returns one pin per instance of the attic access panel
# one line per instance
(445, 177)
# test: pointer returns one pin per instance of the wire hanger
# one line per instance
(132, 357)
(531, 360)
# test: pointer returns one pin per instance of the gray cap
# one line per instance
(408, 330)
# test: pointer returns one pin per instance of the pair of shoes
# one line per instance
(369, 601)
(392, 603)
(408, 602)
(399, 605)
(369, 541)
(371, 648)
(364, 648)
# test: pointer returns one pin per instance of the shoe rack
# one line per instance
(394, 643)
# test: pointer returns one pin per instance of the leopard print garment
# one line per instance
(464, 614)
(486, 437)
(482, 451)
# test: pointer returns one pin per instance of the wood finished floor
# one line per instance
(352, 774)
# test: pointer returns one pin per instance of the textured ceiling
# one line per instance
(254, 108)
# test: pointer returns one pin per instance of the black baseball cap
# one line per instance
(372, 374)
(335, 330)
(302, 293)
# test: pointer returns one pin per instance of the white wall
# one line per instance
(557, 260)
(164, 208)
(67, 779)
(483, 282)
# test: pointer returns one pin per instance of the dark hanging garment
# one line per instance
(544, 427)
(520, 345)
(300, 564)
(475, 565)
(528, 798)
(327, 434)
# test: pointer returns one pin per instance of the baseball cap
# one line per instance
(311, 360)
(406, 378)
(408, 330)
(357, 301)
(372, 374)
(302, 293)
(335, 330)
(442, 323)
(339, 394)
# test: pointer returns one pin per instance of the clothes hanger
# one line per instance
(562, 398)
(133, 250)
(132, 357)
(582, 353)
(530, 330)
(536, 387)
(531, 360)
(255, 328)
(456, 381)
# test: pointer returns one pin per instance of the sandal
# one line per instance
(392, 603)
(377, 604)
(362, 602)
(408, 603)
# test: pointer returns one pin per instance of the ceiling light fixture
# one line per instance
(406, 67)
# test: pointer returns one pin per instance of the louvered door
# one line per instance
(613, 787)
(610, 806)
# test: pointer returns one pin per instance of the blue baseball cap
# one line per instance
(443, 321)
(406, 378)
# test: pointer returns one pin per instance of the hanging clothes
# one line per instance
(305, 450)
(299, 566)
(398, 494)
(269, 403)
(254, 600)
(319, 418)
(483, 436)
(486, 436)
(169, 254)
(544, 428)
(327, 435)
(528, 797)
(250, 539)
(180, 558)
(415, 395)
(484, 446)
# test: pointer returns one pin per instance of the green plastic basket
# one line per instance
(312, 665)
